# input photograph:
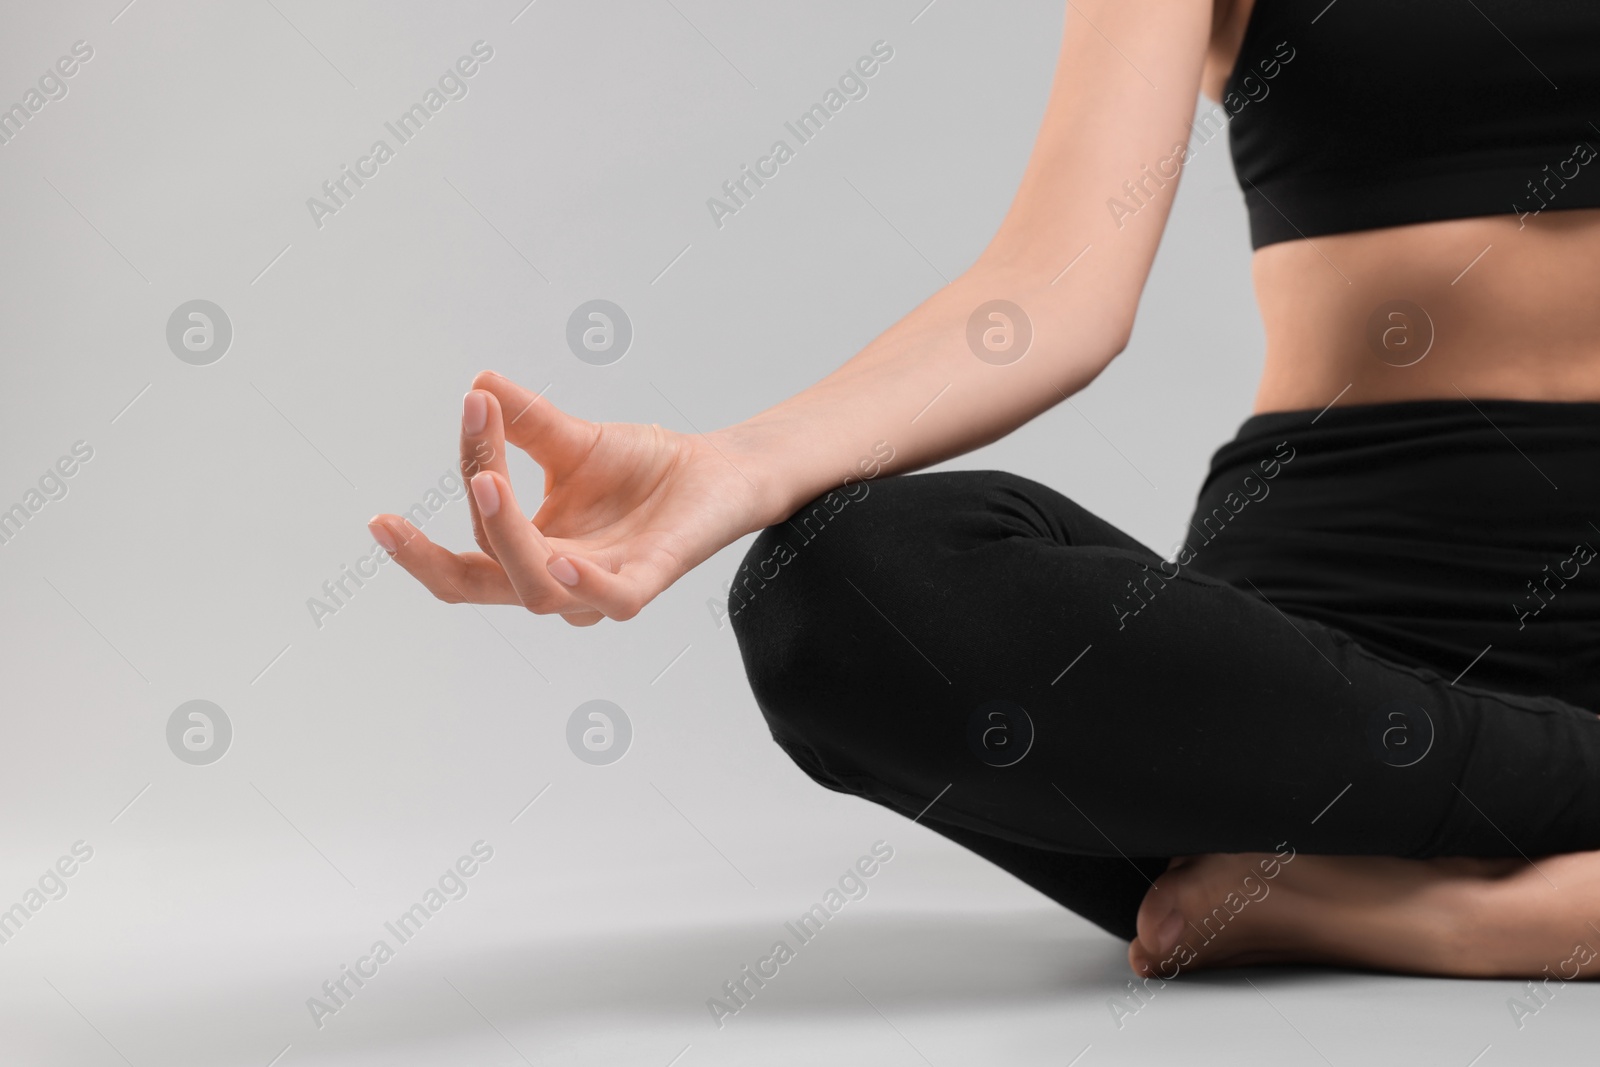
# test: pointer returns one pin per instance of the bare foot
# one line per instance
(1458, 916)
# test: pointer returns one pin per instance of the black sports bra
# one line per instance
(1359, 114)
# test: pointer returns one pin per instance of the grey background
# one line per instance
(369, 753)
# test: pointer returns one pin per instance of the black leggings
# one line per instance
(1307, 670)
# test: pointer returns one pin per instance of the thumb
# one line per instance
(534, 424)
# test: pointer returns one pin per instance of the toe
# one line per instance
(1160, 921)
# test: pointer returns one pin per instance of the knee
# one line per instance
(784, 602)
(794, 611)
(888, 528)
(808, 602)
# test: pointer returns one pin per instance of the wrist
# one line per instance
(769, 486)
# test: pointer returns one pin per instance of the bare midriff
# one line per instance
(1502, 306)
(1498, 306)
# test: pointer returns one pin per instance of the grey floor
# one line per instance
(563, 952)
(216, 492)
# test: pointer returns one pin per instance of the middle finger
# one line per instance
(521, 549)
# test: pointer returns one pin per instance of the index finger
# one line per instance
(483, 448)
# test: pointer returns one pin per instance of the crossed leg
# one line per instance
(961, 647)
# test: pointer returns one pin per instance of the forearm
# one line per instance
(921, 393)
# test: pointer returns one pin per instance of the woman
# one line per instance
(1352, 718)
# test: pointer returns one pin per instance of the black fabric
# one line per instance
(1302, 671)
(1429, 530)
(1390, 112)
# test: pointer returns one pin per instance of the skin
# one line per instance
(628, 509)
(1521, 323)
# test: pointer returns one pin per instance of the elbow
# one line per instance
(1118, 342)
(1118, 327)
(1076, 368)
(1116, 330)
(1097, 354)
(1092, 328)
(1106, 345)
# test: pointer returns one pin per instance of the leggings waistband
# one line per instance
(1489, 470)
(1429, 529)
(1414, 429)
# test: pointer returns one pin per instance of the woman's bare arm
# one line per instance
(629, 509)
(1124, 94)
